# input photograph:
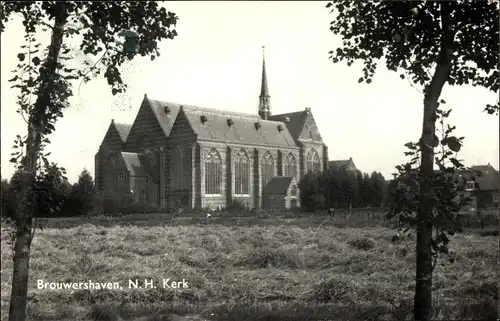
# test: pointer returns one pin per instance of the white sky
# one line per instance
(216, 62)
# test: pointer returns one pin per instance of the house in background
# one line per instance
(481, 183)
(346, 164)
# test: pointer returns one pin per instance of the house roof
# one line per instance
(235, 127)
(122, 129)
(295, 123)
(340, 163)
(278, 185)
(485, 175)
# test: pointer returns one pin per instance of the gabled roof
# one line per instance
(295, 122)
(122, 129)
(337, 164)
(485, 175)
(237, 127)
(166, 118)
(278, 185)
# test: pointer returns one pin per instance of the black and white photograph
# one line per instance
(250, 160)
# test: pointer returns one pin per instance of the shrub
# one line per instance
(109, 203)
(237, 205)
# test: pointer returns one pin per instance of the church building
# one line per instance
(176, 155)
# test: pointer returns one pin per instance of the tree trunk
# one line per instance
(27, 209)
(423, 279)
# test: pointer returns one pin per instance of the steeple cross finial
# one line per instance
(263, 51)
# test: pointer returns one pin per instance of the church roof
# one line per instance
(166, 120)
(122, 129)
(294, 121)
(137, 164)
(224, 126)
(278, 185)
(133, 164)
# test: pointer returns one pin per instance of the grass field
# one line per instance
(279, 269)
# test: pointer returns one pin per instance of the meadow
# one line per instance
(249, 269)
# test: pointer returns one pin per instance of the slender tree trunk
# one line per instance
(423, 279)
(27, 208)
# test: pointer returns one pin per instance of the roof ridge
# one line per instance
(220, 112)
(292, 112)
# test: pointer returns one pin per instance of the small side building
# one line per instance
(280, 194)
(481, 183)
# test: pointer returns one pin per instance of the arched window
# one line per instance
(293, 191)
(267, 168)
(313, 161)
(213, 173)
(242, 173)
(289, 166)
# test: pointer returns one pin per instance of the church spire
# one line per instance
(264, 98)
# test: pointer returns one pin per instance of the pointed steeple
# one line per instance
(264, 98)
(263, 88)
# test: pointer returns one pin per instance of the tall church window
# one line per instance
(267, 168)
(289, 166)
(242, 173)
(313, 161)
(213, 173)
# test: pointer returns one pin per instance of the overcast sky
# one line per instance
(216, 62)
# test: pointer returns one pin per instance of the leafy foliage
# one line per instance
(430, 43)
(49, 199)
(83, 194)
(311, 187)
(406, 36)
(371, 189)
(237, 206)
(44, 78)
(56, 196)
(447, 198)
(341, 188)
